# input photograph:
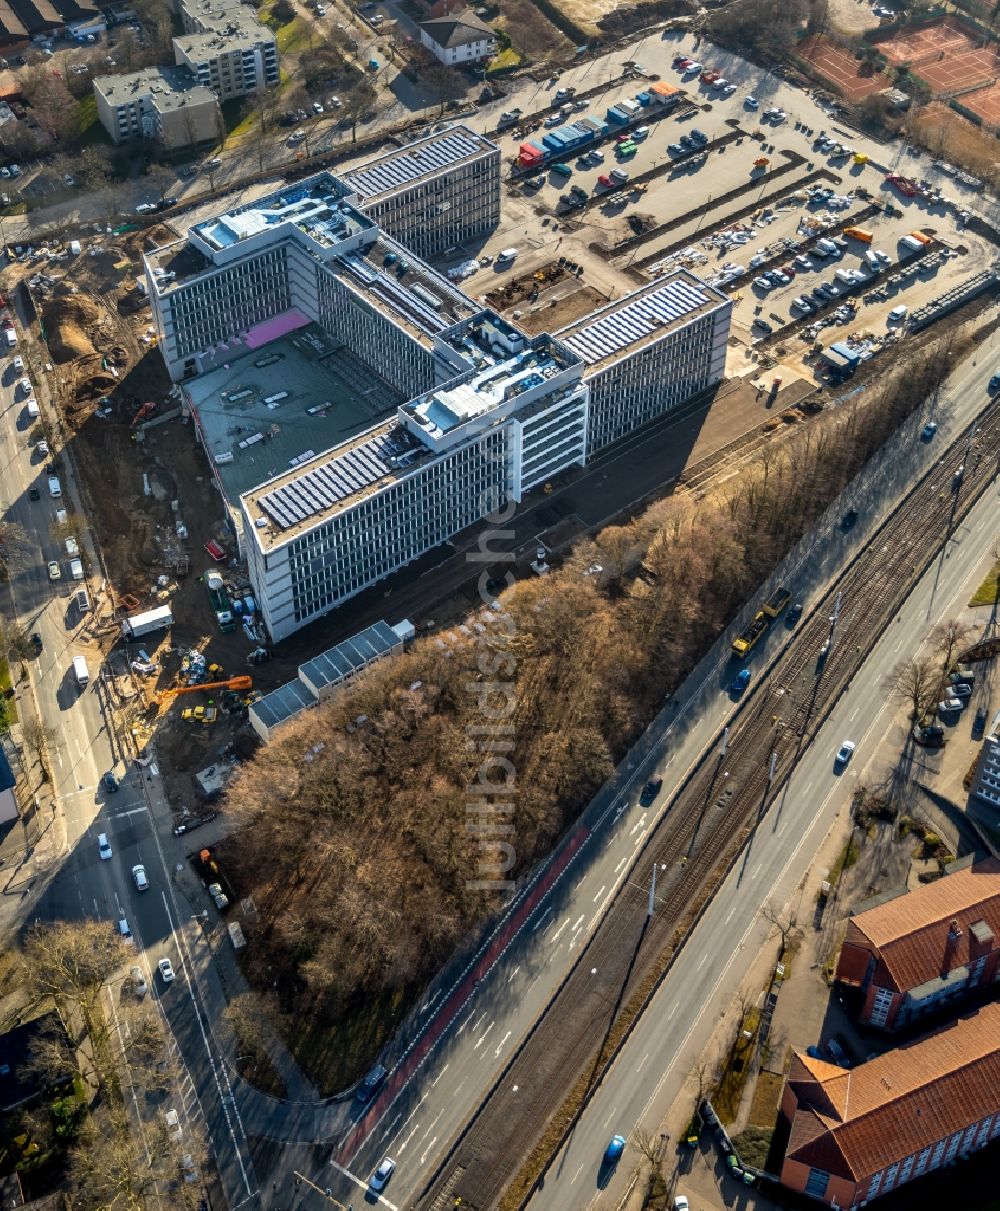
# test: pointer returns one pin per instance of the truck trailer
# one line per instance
(145, 624)
(750, 636)
(221, 604)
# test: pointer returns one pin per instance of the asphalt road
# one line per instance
(652, 1067)
(415, 1122)
(79, 883)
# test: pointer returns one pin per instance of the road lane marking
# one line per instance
(599, 894)
(370, 1193)
(388, 1129)
(538, 923)
(482, 1037)
(639, 1066)
(402, 1147)
(704, 960)
(514, 973)
(502, 1041)
(732, 912)
(440, 1075)
(423, 1155)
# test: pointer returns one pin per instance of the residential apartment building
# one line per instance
(913, 952)
(648, 352)
(463, 38)
(435, 193)
(859, 1134)
(226, 48)
(986, 778)
(402, 412)
(165, 104)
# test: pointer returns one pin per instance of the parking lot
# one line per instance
(750, 227)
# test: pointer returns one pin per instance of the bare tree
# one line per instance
(17, 549)
(915, 682)
(38, 738)
(948, 638)
(775, 915)
(358, 103)
(16, 643)
(114, 1168)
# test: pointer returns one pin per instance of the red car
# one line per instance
(682, 61)
(216, 552)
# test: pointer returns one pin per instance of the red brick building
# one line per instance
(911, 954)
(861, 1133)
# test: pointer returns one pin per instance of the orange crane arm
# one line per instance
(243, 682)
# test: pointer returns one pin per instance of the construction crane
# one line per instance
(242, 682)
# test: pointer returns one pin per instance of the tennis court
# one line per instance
(841, 68)
(985, 102)
(956, 72)
(928, 43)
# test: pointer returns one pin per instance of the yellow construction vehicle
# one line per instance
(241, 682)
(200, 714)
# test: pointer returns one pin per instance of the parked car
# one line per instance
(928, 431)
(650, 791)
(949, 704)
(103, 846)
(111, 782)
(929, 737)
(139, 875)
(166, 970)
(55, 572)
(803, 262)
(763, 325)
(979, 723)
(751, 102)
(961, 690)
(740, 682)
(835, 1050)
(138, 981)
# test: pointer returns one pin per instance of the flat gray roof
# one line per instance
(640, 317)
(424, 158)
(283, 703)
(329, 396)
(350, 656)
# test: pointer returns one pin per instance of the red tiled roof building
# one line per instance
(861, 1133)
(932, 946)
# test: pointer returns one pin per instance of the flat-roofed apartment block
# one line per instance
(357, 408)
(226, 47)
(858, 1134)
(162, 103)
(910, 953)
(649, 351)
(434, 194)
(986, 777)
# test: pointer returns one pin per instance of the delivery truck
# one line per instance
(147, 623)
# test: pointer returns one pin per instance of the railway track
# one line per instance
(702, 833)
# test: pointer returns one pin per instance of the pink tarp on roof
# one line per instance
(271, 329)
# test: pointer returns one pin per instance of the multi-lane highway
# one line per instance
(76, 882)
(426, 1107)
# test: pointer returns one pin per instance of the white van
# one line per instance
(872, 261)
(81, 672)
(845, 276)
(72, 547)
(31, 407)
(55, 487)
(507, 254)
(828, 247)
(76, 569)
(82, 600)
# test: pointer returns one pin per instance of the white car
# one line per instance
(55, 571)
(145, 208)
(26, 385)
(166, 970)
(380, 1177)
(139, 874)
(103, 846)
(138, 981)
(692, 69)
(318, 108)
(681, 1203)
(19, 362)
(173, 1121)
(751, 102)
(898, 313)
(845, 752)
(597, 157)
